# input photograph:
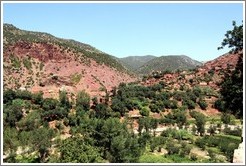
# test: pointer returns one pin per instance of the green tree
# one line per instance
(8, 95)
(13, 113)
(200, 121)
(64, 101)
(203, 105)
(83, 100)
(144, 111)
(225, 118)
(232, 85)
(77, 150)
(30, 122)
(37, 98)
(125, 148)
(10, 139)
(49, 104)
(118, 106)
(102, 111)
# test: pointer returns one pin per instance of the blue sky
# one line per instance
(126, 29)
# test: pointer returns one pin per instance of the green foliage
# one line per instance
(234, 38)
(64, 101)
(25, 95)
(166, 64)
(203, 105)
(8, 95)
(103, 111)
(77, 150)
(152, 158)
(232, 85)
(10, 139)
(30, 122)
(158, 141)
(201, 142)
(220, 105)
(37, 98)
(176, 116)
(49, 104)
(200, 121)
(172, 147)
(13, 113)
(52, 110)
(236, 132)
(189, 103)
(118, 106)
(212, 129)
(27, 63)
(185, 149)
(154, 108)
(75, 78)
(15, 61)
(144, 111)
(125, 149)
(83, 100)
(225, 118)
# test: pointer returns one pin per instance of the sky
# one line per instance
(133, 29)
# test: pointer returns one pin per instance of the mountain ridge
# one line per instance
(41, 62)
(168, 62)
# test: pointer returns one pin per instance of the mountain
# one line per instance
(134, 62)
(209, 74)
(41, 62)
(171, 62)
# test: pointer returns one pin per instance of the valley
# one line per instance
(68, 102)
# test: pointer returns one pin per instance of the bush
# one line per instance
(220, 105)
(225, 118)
(189, 103)
(212, 130)
(144, 111)
(203, 105)
(27, 63)
(235, 132)
(172, 148)
(201, 142)
(185, 150)
(154, 108)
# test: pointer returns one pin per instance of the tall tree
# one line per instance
(232, 85)
(83, 100)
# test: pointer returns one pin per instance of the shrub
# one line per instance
(220, 105)
(75, 78)
(172, 148)
(225, 118)
(144, 111)
(203, 105)
(235, 132)
(189, 103)
(201, 142)
(27, 63)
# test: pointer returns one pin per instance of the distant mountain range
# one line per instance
(135, 62)
(146, 64)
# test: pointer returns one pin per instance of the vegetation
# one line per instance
(82, 129)
(13, 35)
(232, 85)
(165, 63)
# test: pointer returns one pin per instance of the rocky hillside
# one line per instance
(134, 62)
(41, 62)
(173, 62)
(208, 75)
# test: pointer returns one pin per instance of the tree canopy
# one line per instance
(232, 85)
